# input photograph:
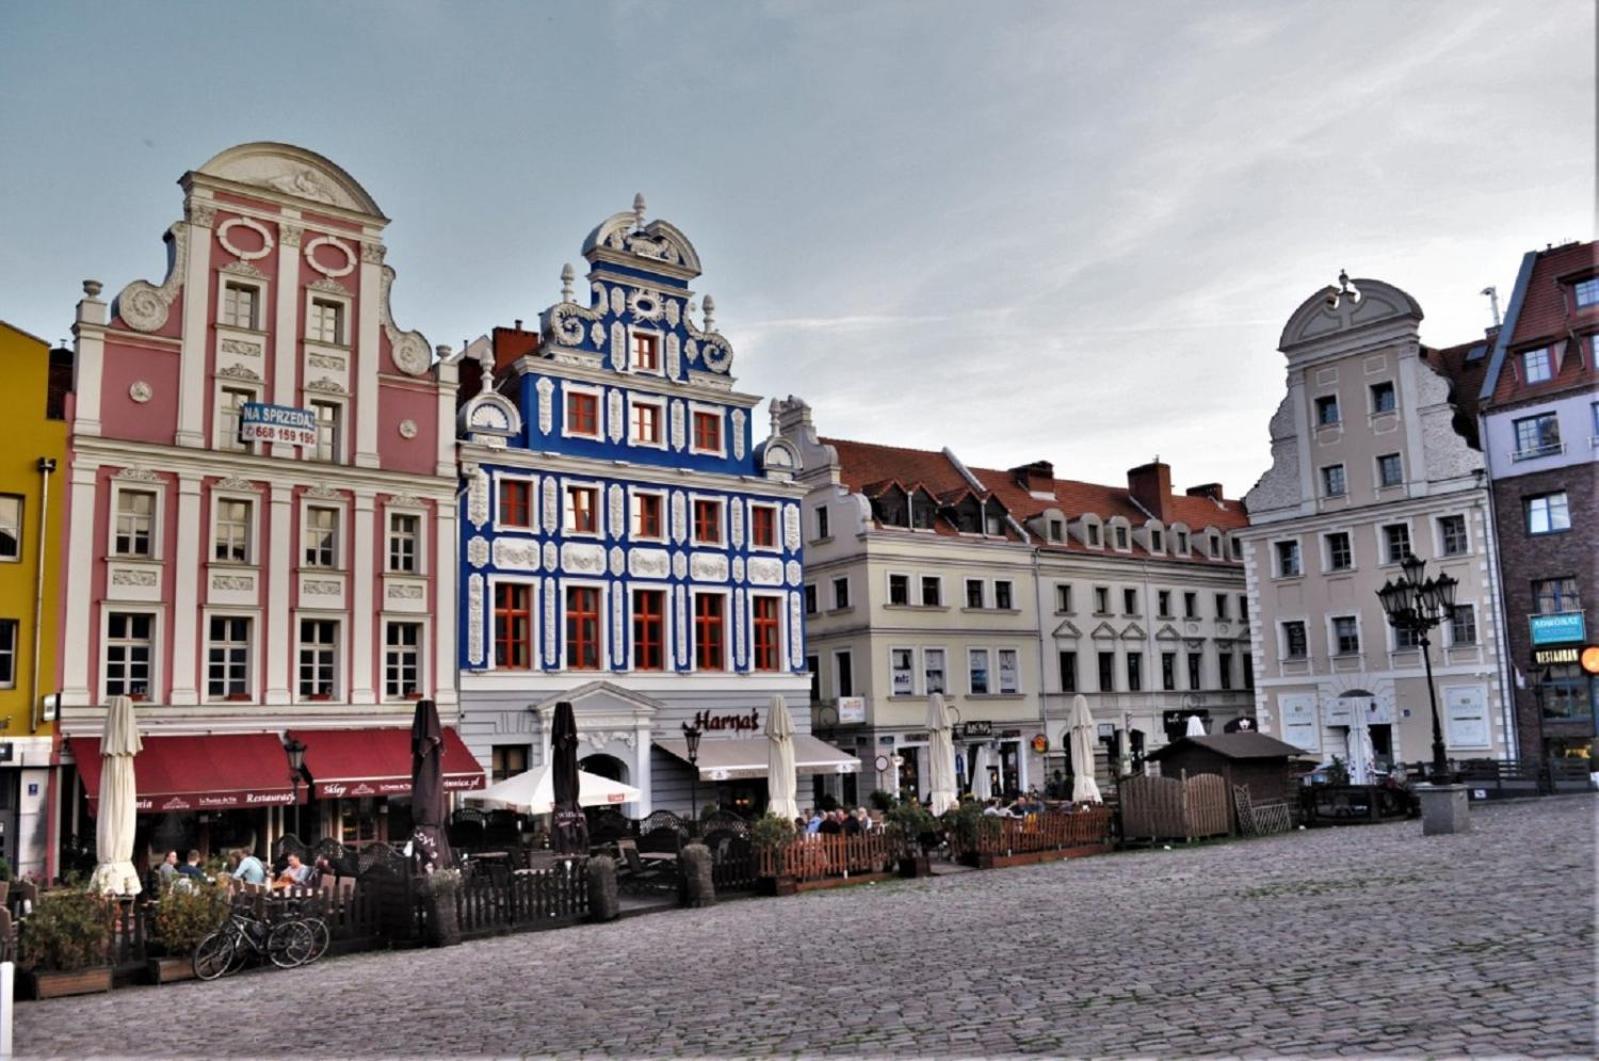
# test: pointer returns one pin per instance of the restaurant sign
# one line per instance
(976, 729)
(259, 422)
(741, 722)
(187, 801)
(1559, 628)
(1543, 657)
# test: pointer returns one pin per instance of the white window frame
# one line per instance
(1591, 285)
(1182, 538)
(1550, 528)
(312, 297)
(605, 631)
(422, 645)
(598, 394)
(721, 523)
(567, 509)
(633, 494)
(341, 429)
(1327, 567)
(498, 521)
(982, 594)
(721, 414)
(777, 527)
(988, 667)
(535, 619)
(14, 525)
(220, 439)
(1376, 468)
(1096, 540)
(658, 405)
(1450, 626)
(1438, 535)
(341, 630)
(1343, 477)
(921, 591)
(341, 533)
(258, 289)
(729, 617)
(1332, 636)
(1336, 406)
(1155, 537)
(250, 653)
(155, 616)
(409, 512)
(1282, 639)
(849, 593)
(1383, 559)
(999, 672)
(782, 630)
(157, 488)
(943, 655)
(910, 670)
(1371, 398)
(668, 617)
(1548, 360)
(251, 527)
(660, 355)
(1119, 524)
(1277, 571)
(888, 589)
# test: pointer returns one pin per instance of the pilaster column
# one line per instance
(445, 667)
(363, 604)
(88, 359)
(280, 595)
(285, 334)
(196, 334)
(367, 354)
(187, 572)
(78, 575)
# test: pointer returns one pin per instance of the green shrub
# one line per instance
(69, 930)
(185, 916)
(908, 822)
(880, 800)
(771, 831)
(968, 824)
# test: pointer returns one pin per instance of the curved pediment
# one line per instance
(656, 245)
(1351, 305)
(292, 171)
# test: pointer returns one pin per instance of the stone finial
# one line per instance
(485, 361)
(638, 210)
(777, 416)
(92, 288)
(443, 351)
(710, 314)
(567, 276)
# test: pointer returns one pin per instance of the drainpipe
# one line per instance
(1496, 592)
(46, 466)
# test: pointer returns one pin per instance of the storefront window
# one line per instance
(1568, 694)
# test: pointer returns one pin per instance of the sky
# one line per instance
(1062, 231)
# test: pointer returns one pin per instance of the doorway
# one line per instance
(607, 766)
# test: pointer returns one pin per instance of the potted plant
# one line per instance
(441, 891)
(769, 835)
(185, 915)
(908, 824)
(65, 944)
(968, 827)
(881, 800)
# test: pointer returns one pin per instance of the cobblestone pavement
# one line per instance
(1356, 941)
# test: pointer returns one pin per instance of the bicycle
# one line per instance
(286, 944)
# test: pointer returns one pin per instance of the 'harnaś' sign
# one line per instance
(259, 422)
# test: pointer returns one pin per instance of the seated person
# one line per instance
(191, 866)
(294, 875)
(245, 868)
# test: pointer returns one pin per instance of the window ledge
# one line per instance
(996, 696)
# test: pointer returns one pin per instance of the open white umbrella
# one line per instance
(1082, 733)
(1196, 727)
(982, 788)
(534, 792)
(119, 797)
(780, 762)
(940, 756)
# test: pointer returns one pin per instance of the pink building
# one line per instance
(261, 518)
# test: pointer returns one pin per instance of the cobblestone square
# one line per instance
(1357, 941)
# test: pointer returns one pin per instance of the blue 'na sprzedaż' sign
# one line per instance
(1558, 628)
(259, 422)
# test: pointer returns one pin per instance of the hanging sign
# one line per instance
(1555, 629)
(259, 422)
(1040, 744)
(851, 710)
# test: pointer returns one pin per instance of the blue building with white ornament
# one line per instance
(626, 543)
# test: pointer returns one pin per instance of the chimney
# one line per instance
(1039, 475)
(1210, 490)
(1150, 485)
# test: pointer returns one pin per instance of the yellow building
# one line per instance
(33, 450)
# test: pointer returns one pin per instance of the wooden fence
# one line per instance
(1051, 831)
(521, 901)
(816, 857)
(1175, 808)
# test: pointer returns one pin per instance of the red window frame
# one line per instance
(582, 628)
(763, 526)
(654, 411)
(708, 431)
(647, 515)
(710, 632)
(707, 517)
(581, 502)
(516, 502)
(583, 414)
(768, 636)
(646, 353)
(649, 630)
(513, 626)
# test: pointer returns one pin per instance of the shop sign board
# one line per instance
(1558, 629)
(976, 729)
(851, 710)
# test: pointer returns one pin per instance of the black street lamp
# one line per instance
(1416, 605)
(691, 737)
(296, 750)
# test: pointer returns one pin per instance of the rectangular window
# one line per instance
(1163, 603)
(1554, 596)
(1332, 481)
(1091, 531)
(1010, 670)
(402, 660)
(583, 628)
(1182, 542)
(329, 431)
(1168, 671)
(932, 591)
(507, 761)
(8, 653)
(1537, 364)
(707, 522)
(231, 544)
(1288, 565)
(647, 521)
(1452, 535)
(1067, 662)
(405, 543)
(710, 642)
(516, 503)
(582, 510)
(1568, 694)
(763, 526)
(1537, 436)
(1195, 664)
(843, 674)
(1548, 513)
(1057, 530)
(1063, 598)
(1107, 672)
(320, 537)
(899, 589)
(325, 323)
(1327, 410)
(583, 414)
(227, 669)
(230, 414)
(1389, 470)
(813, 666)
(1101, 600)
(977, 671)
(1215, 547)
(1586, 292)
(1243, 607)
(932, 670)
(1405, 638)
(1135, 672)
(974, 593)
(646, 353)
(1224, 669)
(766, 637)
(1003, 600)
(1346, 636)
(513, 626)
(1129, 602)
(1157, 541)
(810, 598)
(822, 531)
(1190, 605)
(1295, 643)
(1383, 397)
(707, 431)
(10, 527)
(649, 629)
(840, 593)
(1221, 606)
(1340, 554)
(646, 425)
(1463, 625)
(239, 306)
(902, 671)
(1121, 537)
(319, 655)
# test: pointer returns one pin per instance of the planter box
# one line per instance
(169, 970)
(59, 985)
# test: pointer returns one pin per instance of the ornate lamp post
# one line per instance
(296, 750)
(691, 737)
(1416, 605)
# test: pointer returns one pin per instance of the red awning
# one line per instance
(345, 763)
(198, 773)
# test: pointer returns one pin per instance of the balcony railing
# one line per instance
(1549, 449)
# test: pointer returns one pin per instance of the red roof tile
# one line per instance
(1548, 315)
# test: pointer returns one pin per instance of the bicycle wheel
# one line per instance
(214, 955)
(321, 937)
(290, 944)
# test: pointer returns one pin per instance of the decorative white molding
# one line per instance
(373, 253)
(679, 517)
(477, 550)
(583, 558)
(351, 258)
(738, 569)
(735, 512)
(546, 390)
(550, 512)
(244, 269)
(200, 215)
(679, 565)
(708, 567)
(674, 353)
(477, 498)
(242, 347)
(326, 385)
(405, 591)
(137, 474)
(794, 572)
(796, 627)
(618, 303)
(407, 428)
(597, 335)
(549, 621)
(618, 623)
(618, 561)
(124, 576)
(233, 583)
(615, 420)
(474, 619)
(144, 306)
(239, 372)
(329, 362)
(233, 482)
(649, 563)
(618, 340)
(678, 426)
(290, 235)
(791, 527)
(139, 391)
(738, 627)
(316, 587)
(409, 350)
(552, 558)
(253, 225)
(327, 285)
(616, 497)
(766, 571)
(738, 433)
(682, 620)
(673, 310)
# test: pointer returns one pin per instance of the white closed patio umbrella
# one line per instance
(780, 779)
(1361, 754)
(982, 788)
(940, 756)
(534, 792)
(1196, 727)
(1082, 733)
(113, 828)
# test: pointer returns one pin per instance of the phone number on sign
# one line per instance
(267, 433)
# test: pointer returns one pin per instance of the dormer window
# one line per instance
(646, 353)
(1157, 541)
(1182, 542)
(1537, 365)
(1587, 292)
(923, 510)
(240, 305)
(1121, 537)
(1091, 532)
(1057, 530)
